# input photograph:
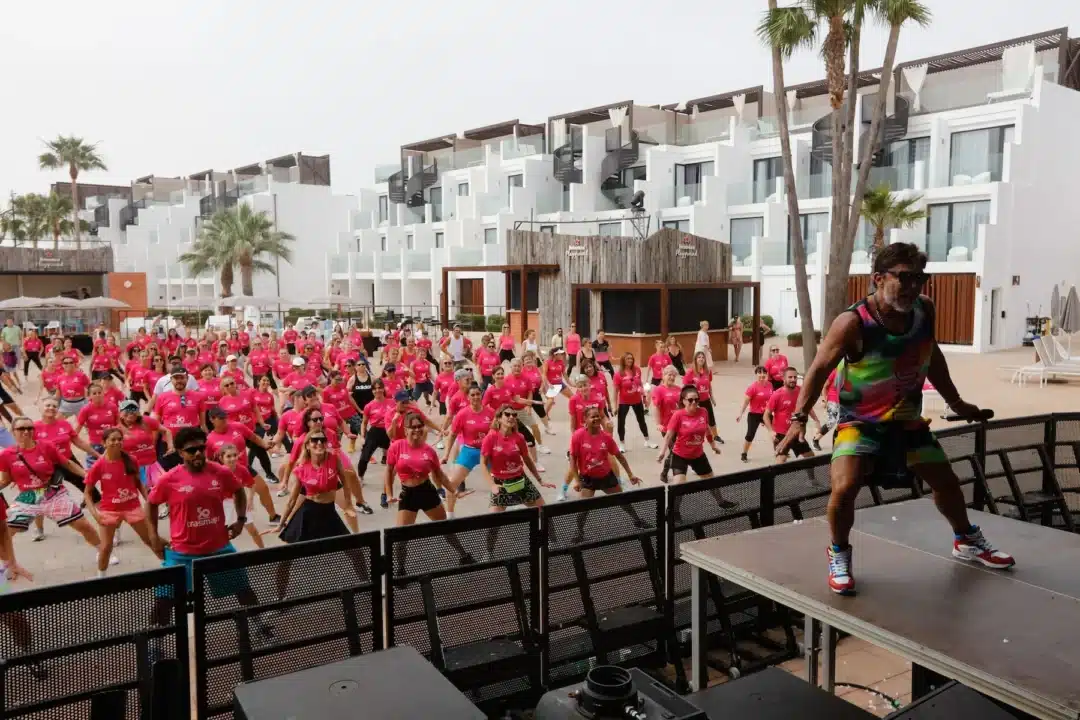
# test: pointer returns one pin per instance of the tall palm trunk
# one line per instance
(74, 173)
(836, 289)
(226, 279)
(879, 238)
(833, 51)
(55, 235)
(247, 276)
(802, 284)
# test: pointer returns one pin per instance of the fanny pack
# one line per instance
(57, 479)
(513, 486)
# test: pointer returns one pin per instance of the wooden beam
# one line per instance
(524, 302)
(444, 301)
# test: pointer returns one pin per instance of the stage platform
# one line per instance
(1013, 635)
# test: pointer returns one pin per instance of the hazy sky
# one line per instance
(172, 88)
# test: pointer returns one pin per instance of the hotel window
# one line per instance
(952, 230)
(766, 172)
(440, 240)
(895, 167)
(688, 180)
(463, 189)
(566, 197)
(435, 199)
(491, 236)
(612, 229)
(382, 243)
(409, 242)
(978, 156)
(680, 225)
(513, 181)
(811, 224)
(384, 208)
(743, 231)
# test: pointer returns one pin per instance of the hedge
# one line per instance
(795, 339)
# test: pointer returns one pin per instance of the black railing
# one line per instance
(396, 187)
(130, 212)
(420, 181)
(566, 158)
(505, 605)
(101, 215)
(619, 158)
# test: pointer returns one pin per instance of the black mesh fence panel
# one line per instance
(1066, 455)
(463, 594)
(63, 645)
(271, 612)
(603, 591)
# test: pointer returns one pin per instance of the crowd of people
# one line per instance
(185, 426)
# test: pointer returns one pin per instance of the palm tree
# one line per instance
(76, 155)
(785, 30)
(25, 219)
(883, 211)
(234, 239)
(55, 211)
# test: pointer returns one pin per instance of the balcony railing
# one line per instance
(949, 247)
(418, 261)
(250, 186)
(817, 185)
(362, 262)
(976, 171)
(383, 172)
(694, 132)
(773, 252)
(339, 263)
(902, 177)
(687, 192)
(466, 256)
(522, 148)
(391, 262)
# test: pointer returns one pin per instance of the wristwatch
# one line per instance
(799, 417)
(241, 519)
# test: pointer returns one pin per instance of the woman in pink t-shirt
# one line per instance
(121, 496)
(469, 427)
(506, 345)
(504, 456)
(757, 397)
(776, 364)
(573, 346)
(72, 385)
(656, 363)
(416, 464)
(630, 390)
(686, 437)
(591, 450)
(141, 436)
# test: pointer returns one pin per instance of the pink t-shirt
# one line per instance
(458, 400)
(139, 441)
(378, 414)
(100, 362)
(506, 342)
(759, 394)
(472, 426)
(34, 469)
(519, 387)
(239, 408)
(95, 418)
(504, 454)
(58, 434)
(338, 397)
(782, 405)
(119, 490)
(444, 385)
(282, 367)
(179, 410)
(667, 400)
(196, 514)
(265, 402)
(73, 386)
(690, 433)
(590, 452)
(210, 389)
(573, 343)
(629, 386)
(412, 464)
(421, 370)
(259, 361)
(243, 475)
(580, 403)
(832, 394)
(702, 381)
(495, 397)
(776, 365)
(487, 361)
(235, 434)
(317, 480)
(532, 377)
(657, 362)
(554, 370)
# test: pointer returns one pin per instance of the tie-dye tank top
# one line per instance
(884, 383)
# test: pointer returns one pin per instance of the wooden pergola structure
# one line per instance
(666, 288)
(507, 270)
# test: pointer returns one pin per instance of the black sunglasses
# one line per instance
(909, 277)
(314, 418)
(317, 441)
(416, 427)
(693, 400)
(24, 428)
(193, 449)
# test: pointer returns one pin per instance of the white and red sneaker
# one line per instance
(974, 547)
(841, 581)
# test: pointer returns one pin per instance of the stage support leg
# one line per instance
(828, 658)
(924, 682)
(811, 649)
(699, 671)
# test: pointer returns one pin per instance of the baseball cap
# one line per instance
(297, 362)
(560, 351)
(178, 371)
(402, 396)
(231, 358)
(129, 406)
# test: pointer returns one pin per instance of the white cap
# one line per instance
(231, 358)
(297, 362)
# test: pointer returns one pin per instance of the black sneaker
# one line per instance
(365, 509)
(272, 480)
(275, 520)
(442, 492)
(382, 502)
(744, 458)
(664, 475)
(719, 439)
(817, 443)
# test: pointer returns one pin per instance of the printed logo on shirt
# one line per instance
(186, 488)
(204, 516)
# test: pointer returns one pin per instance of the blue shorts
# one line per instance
(468, 457)
(221, 584)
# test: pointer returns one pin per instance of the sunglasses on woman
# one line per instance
(692, 400)
(317, 441)
(416, 427)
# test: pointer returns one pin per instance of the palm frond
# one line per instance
(900, 12)
(789, 29)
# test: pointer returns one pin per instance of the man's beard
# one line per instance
(892, 299)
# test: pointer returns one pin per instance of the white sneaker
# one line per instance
(100, 574)
(622, 448)
(543, 450)
(440, 446)
(651, 445)
(561, 497)
(540, 468)
(113, 560)
(39, 534)
(548, 431)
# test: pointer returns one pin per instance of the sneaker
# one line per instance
(973, 547)
(841, 580)
(561, 497)
(382, 502)
(275, 520)
(283, 492)
(163, 513)
(651, 445)
(113, 560)
(442, 493)
(39, 534)
(272, 480)
(441, 445)
(817, 443)
(622, 448)
(543, 449)
(365, 509)
(548, 431)
(540, 468)
(744, 458)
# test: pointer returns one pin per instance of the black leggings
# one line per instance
(539, 409)
(753, 422)
(31, 357)
(376, 438)
(257, 453)
(639, 413)
(606, 364)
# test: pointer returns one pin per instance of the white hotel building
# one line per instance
(986, 136)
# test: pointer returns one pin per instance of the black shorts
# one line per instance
(424, 387)
(506, 355)
(5, 398)
(442, 408)
(419, 497)
(604, 483)
(700, 465)
(655, 382)
(291, 347)
(797, 447)
(753, 422)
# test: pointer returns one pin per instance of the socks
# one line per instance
(449, 514)
(970, 531)
(836, 548)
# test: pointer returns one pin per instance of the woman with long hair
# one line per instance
(530, 370)
(530, 344)
(468, 430)
(504, 457)
(444, 386)
(656, 363)
(631, 394)
(416, 464)
(700, 376)
(602, 352)
(227, 432)
(675, 354)
(757, 397)
(229, 456)
(153, 374)
(101, 363)
(238, 402)
(585, 353)
(377, 416)
(506, 345)
(687, 433)
(573, 345)
(553, 372)
(121, 496)
(95, 416)
(702, 345)
(487, 359)
(735, 335)
(31, 465)
(32, 347)
(72, 385)
(665, 399)
(599, 383)
(265, 400)
(336, 394)
(141, 436)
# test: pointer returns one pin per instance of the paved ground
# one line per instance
(63, 557)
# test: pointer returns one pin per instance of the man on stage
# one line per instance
(883, 348)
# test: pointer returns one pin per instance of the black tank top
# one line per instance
(362, 393)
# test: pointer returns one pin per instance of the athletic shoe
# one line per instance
(283, 492)
(273, 480)
(540, 468)
(365, 508)
(622, 448)
(744, 458)
(973, 547)
(382, 502)
(39, 534)
(543, 449)
(548, 431)
(442, 493)
(841, 581)
(275, 520)
(817, 443)
(561, 497)
(441, 445)
(651, 445)
(113, 560)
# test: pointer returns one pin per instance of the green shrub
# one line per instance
(748, 326)
(495, 323)
(796, 339)
(471, 322)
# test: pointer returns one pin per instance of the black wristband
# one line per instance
(799, 417)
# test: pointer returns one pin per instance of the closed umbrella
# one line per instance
(1070, 314)
(1056, 306)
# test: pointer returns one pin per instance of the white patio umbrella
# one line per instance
(21, 303)
(58, 301)
(1056, 306)
(329, 300)
(103, 303)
